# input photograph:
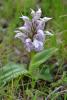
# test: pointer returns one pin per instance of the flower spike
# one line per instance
(32, 33)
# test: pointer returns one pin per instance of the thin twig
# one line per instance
(53, 92)
(61, 92)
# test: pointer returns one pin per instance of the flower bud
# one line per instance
(45, 19)
(37, 14)
(48, 33)
(25, 18)
(32, 12)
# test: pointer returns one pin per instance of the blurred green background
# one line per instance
(11, 10)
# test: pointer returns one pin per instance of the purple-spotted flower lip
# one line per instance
(38, 45)
(32, 33)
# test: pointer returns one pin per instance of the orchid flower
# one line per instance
(32, 33)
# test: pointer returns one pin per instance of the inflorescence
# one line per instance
(32, 33)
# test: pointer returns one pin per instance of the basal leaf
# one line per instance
(11, 71)
(41, 57)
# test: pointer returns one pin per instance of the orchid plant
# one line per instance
(32, 35)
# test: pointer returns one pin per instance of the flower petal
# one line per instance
(23, 28)
(45, 19)
(40, 36)
(26, 28)
(41, 25)
(28, 25)
(28, 45)
(20, 35)
(38, 45)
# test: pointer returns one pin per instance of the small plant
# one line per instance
(32, 35)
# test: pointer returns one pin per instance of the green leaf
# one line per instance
(41, 57)
(11, 71)
(45, 74)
